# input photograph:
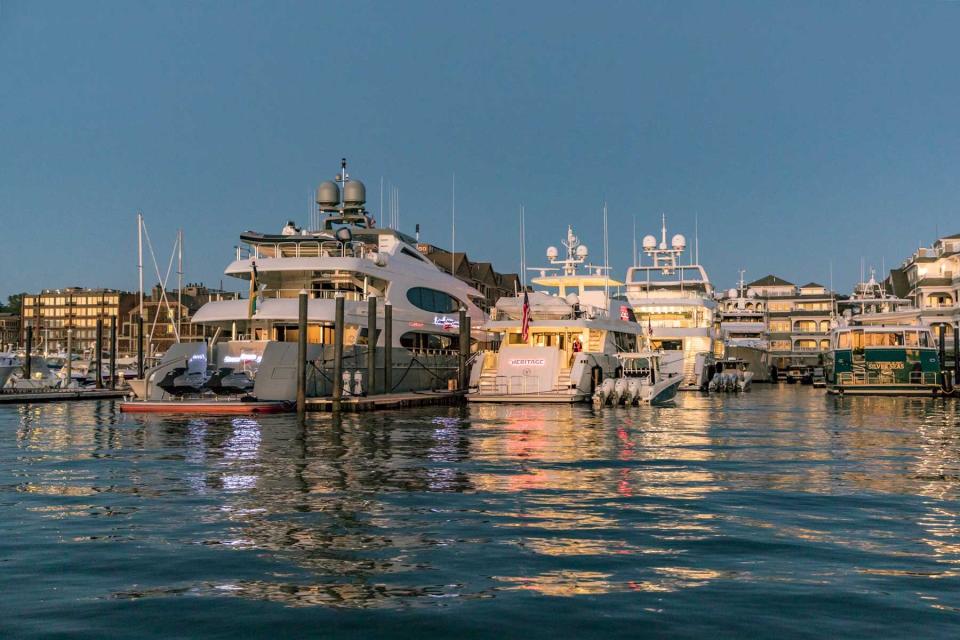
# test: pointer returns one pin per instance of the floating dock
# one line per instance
(387, 401)
(22, 396)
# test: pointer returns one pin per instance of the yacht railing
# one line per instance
(885, 377)
(305, 249)
(318, 294)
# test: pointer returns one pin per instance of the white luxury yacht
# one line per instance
(675, 301)
(348, 257)
(570, 342)
(743, 329)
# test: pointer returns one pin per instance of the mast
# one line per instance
(453, 225)
(606, 260)
(140, 256)
(633, 258)
(179, 281)
(523, 250)
(696, 238)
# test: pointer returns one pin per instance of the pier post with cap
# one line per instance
(113, 352)
(338, 354)
(371, 345)
(387, 347)
(98, 356)
(302, 356)
(28, 352)
(69, 363)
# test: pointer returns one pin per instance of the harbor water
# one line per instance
(780, 513)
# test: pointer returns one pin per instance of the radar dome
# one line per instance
(328, 194)
(731, 293)
(751, 293)
(552, 253)
(572, 299)
(354, 193)
(678, 241)
(582, 251)
(649, 243)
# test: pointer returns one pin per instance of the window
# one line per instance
(779, 326)
(422, 341)
(843, 342)
(884, 339)
(625, 341)
(432, 300)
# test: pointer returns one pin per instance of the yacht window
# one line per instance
(843, 342)
(423, 341)
(432, 300)
(913, 340)
(925, 340)
(884, 339)
(625, 341)
(515, 338)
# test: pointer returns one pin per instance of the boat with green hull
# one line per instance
(880, 347)
(883, 360)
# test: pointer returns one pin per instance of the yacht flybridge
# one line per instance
(556, 346)
(676, 302)
(348, 257)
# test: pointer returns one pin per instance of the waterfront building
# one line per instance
(53, 312)
(930, 279)
(797, 319)
(9, 330)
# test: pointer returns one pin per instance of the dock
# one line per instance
(387, 401)
(20, 396)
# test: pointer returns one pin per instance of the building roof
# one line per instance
(770, 281)
(813, 285)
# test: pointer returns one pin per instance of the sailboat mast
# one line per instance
(179, 281)
(140, 256)
(453, 224)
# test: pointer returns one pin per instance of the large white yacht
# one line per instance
(743, 329)
(570, 341)
(675, 301)
(348, 257)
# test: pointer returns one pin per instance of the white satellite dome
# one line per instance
(678, 241)
(649, 243)
(572, 299)
(582, 251)
(751, 293)
(552, 253)
(731, 293)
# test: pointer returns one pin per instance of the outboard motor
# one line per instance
(345, 378)
(620, 391)
(226, 382)
(633, 390)
(178, 382)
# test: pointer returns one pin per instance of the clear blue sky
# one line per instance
(799, 132)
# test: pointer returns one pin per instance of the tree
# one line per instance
(13, 303)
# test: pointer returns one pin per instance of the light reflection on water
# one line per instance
(782, 503)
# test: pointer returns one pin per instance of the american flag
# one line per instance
(525, 321)
(649, 328)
